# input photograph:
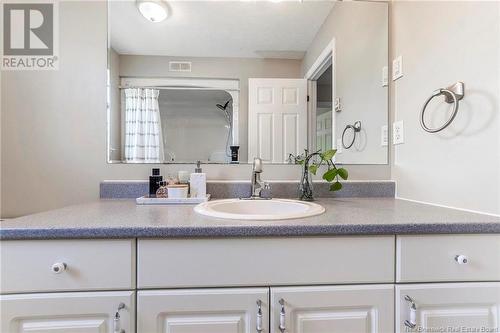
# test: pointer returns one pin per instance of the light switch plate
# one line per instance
(398, 133)
(384, 139)
(385, 76)
(397, 68)
(337, 105)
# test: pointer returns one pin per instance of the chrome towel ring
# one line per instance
(452, 94)
(356, 128)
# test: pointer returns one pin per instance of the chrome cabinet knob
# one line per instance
(461, 259)
(58, 267)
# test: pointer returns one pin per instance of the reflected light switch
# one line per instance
(397, 68)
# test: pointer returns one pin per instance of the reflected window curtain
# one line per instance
(143, 137)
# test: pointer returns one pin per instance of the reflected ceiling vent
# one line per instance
(179, 66)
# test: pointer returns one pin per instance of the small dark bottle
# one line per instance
(234, 154)
(154, 182)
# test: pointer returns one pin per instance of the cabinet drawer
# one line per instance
(27, 266)
(433, 258)
(264, 261)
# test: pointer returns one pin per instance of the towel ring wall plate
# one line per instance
(458, 89)
(453, 95)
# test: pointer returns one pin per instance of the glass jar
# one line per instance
(162, 191)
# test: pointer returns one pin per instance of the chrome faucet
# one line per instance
(256, 182)
(260, 190)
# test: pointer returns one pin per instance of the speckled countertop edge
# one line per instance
(249, 231)
(344, 216)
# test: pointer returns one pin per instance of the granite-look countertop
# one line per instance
(343, 216)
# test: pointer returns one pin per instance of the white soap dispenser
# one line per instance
(198, 182)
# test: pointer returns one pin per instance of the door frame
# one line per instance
(322, 62)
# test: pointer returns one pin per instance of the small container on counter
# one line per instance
(183, 177)
(162, 191)
(178, 191)
(154, 181)
(198, 183)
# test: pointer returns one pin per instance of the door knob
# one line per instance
(461, 259)
(58, 267)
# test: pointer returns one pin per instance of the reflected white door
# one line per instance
(203, 311)
(324, 131)
(80, 312)
(277, 118)
(333, 309)
(448, 307)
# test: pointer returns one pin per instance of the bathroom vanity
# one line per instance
(365, 265)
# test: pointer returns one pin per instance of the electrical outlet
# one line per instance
(385, 76)
(384, 139)
(397, 68)
(398, 133)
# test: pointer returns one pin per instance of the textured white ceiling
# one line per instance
(248, 29)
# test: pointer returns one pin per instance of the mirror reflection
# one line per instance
(227, 81)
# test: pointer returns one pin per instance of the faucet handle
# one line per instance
(257, 165)
(266, 192)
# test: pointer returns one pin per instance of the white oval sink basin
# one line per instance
(274, 209)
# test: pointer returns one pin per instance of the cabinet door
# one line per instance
(338, 309)
(203, 311)
(468, 307)
(67, 312)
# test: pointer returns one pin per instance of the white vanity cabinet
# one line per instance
(360, 284)
(437, 307)
(239, 310)
(333, 309)
(81, 312)
(452, 305)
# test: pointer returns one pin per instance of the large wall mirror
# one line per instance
(227, 81)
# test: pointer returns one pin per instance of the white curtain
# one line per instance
(143, 137)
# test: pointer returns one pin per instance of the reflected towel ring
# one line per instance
(356, 128)
(453, 95)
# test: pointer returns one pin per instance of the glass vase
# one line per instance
(305, 190)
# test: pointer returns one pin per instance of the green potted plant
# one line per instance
(311, 163)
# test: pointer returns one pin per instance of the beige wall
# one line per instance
(443, 42)
(53, 124)
(221, 68)
(360, 30)
(53, 129)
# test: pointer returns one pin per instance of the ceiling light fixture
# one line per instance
(153, 10)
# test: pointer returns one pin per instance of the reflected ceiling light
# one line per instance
(153, 10)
